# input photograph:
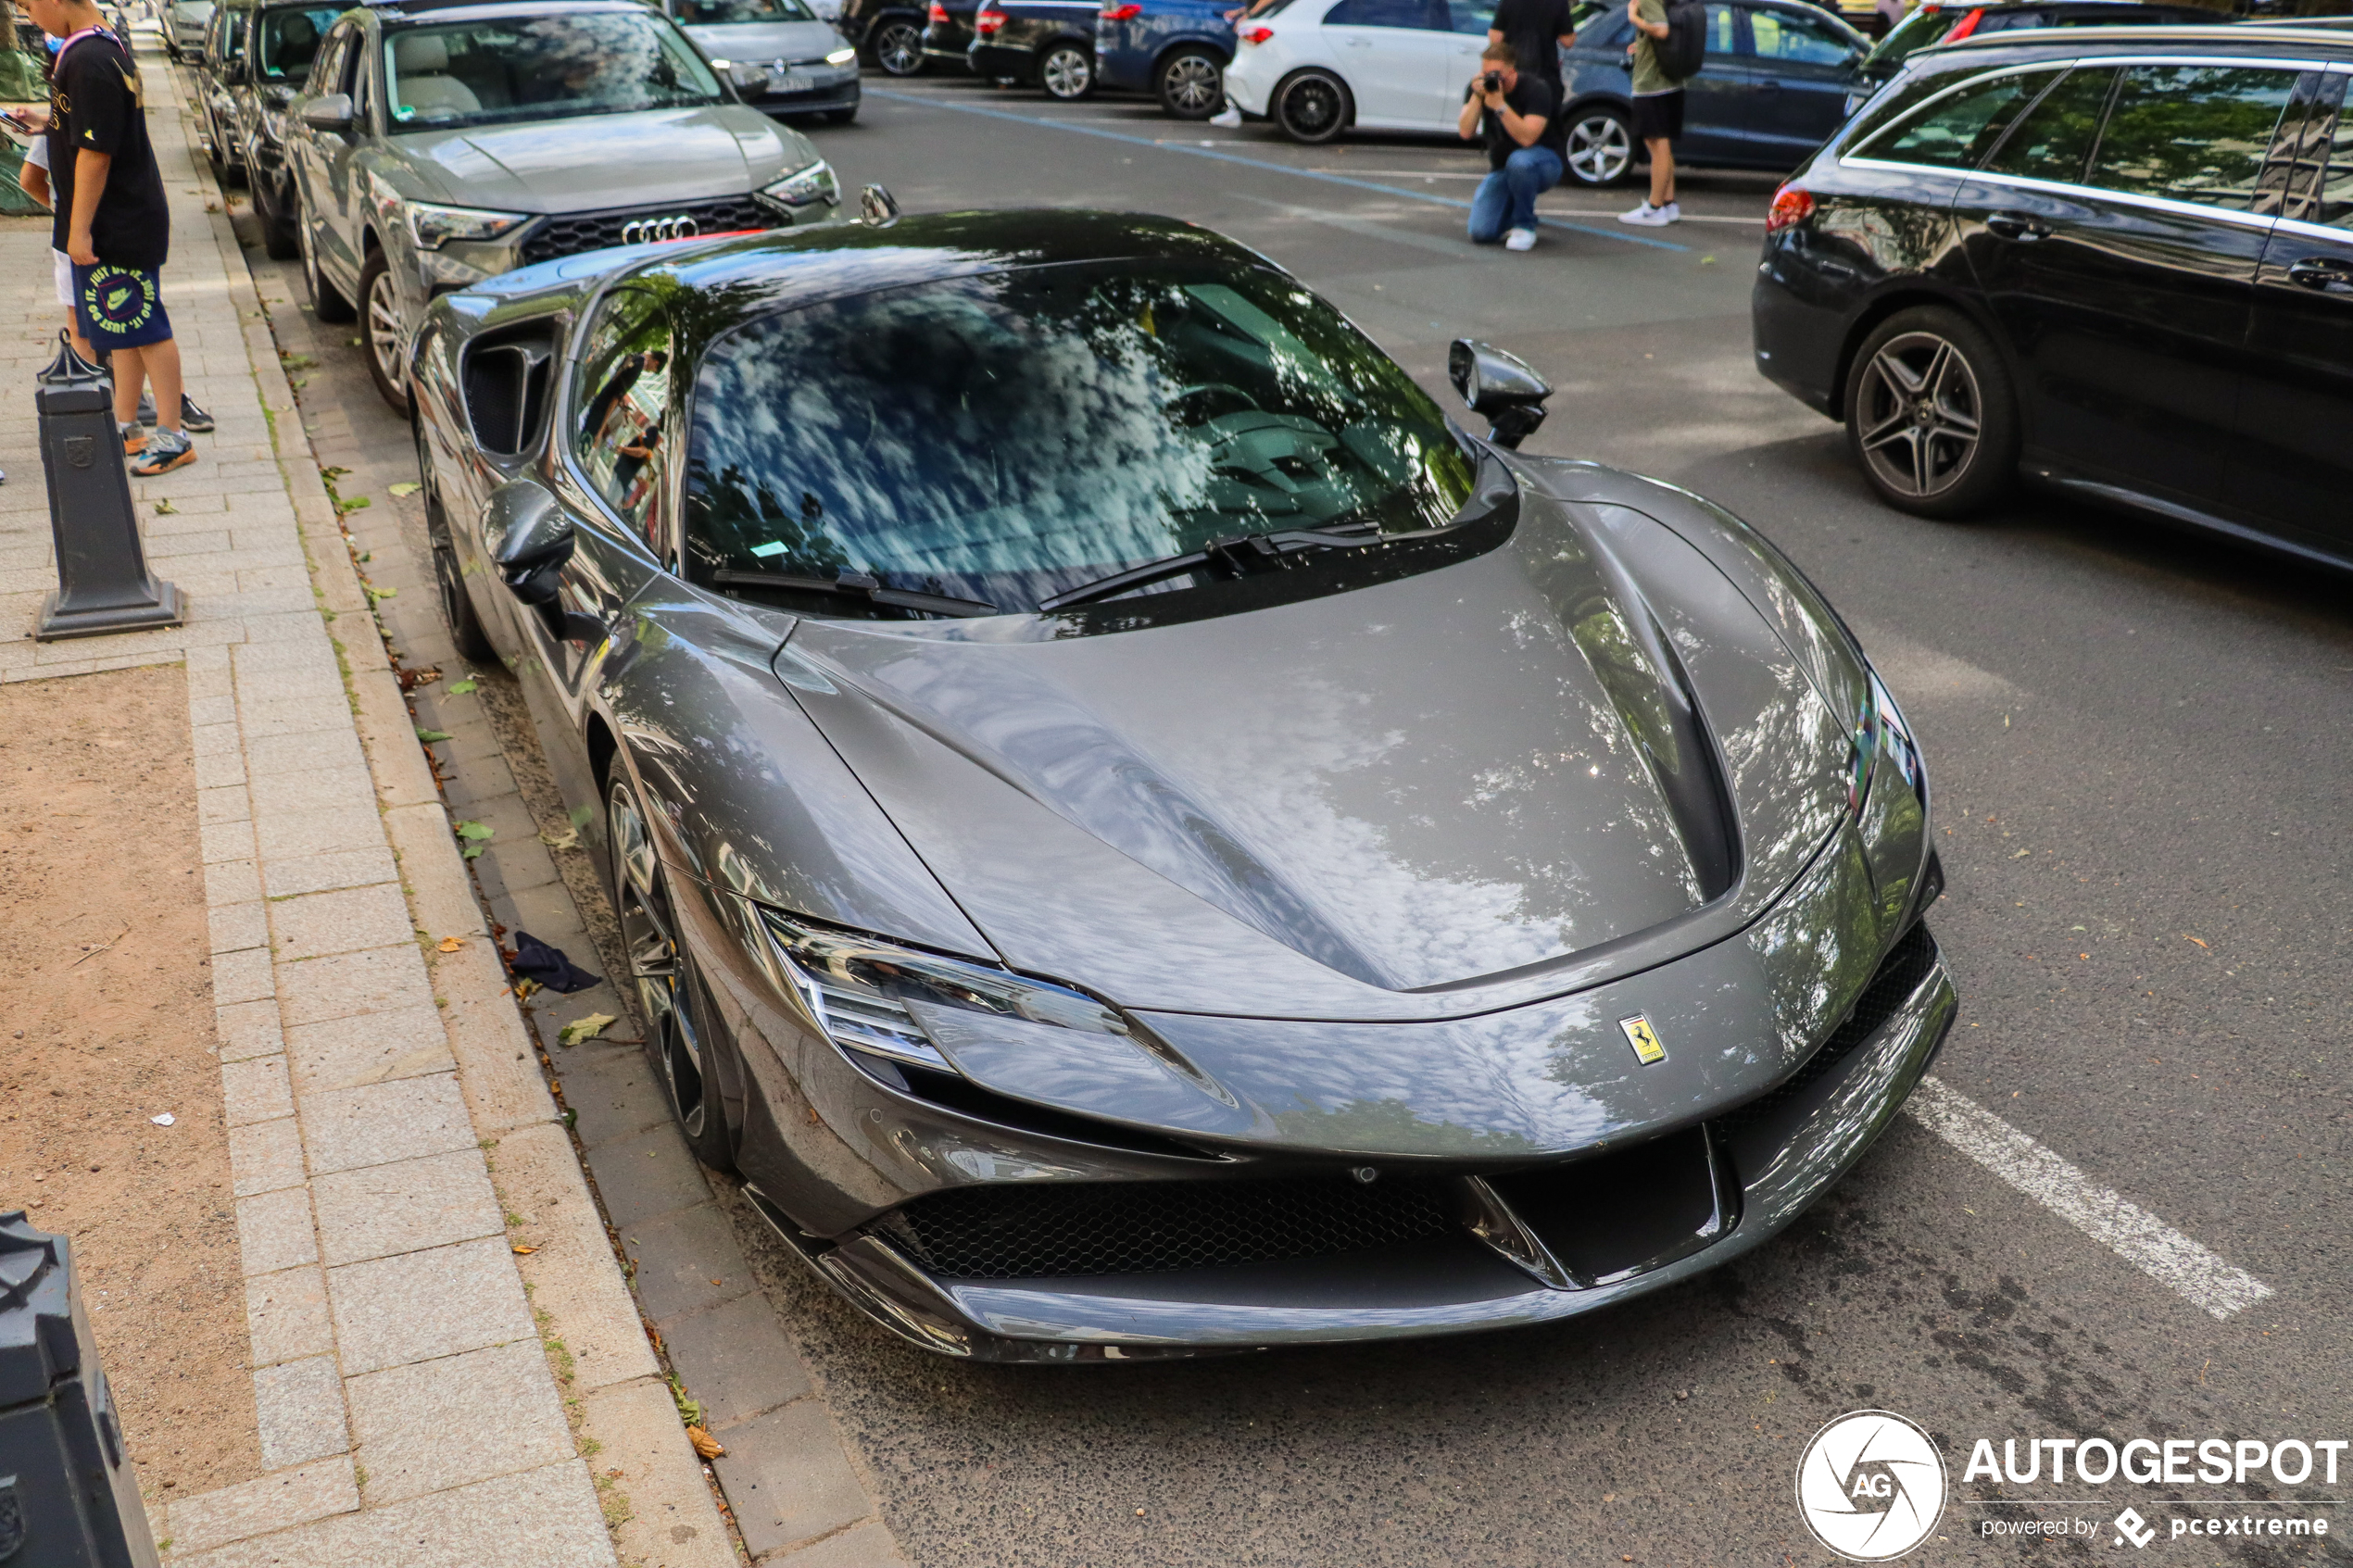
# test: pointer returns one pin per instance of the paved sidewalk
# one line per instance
(424, 1386)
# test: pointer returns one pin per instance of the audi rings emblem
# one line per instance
(646, 231)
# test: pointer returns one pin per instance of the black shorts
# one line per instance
(1658, 117)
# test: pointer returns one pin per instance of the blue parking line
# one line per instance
(927, 101)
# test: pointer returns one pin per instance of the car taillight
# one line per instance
(1256, 34)
(1792, 206)
(987, 22)
(939, 13)
(1969, 25)
(1121, 13)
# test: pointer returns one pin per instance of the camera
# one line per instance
(1492, 83)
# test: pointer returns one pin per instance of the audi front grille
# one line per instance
(571, 232)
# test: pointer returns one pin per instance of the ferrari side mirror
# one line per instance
(1501, 386)
(529, 537)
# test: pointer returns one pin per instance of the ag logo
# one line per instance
(1871, 1486)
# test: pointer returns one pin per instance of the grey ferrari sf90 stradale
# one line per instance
(1135, 834)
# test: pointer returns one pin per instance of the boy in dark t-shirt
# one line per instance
(112, 224)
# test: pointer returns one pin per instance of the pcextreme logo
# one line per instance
(1871, 1485)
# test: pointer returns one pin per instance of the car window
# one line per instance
(624, 393)
(1795, 40)
(1723, 30)
(2055, 136)
(1011, 436)
(2191, 133)
(1599, 25)
(2333, 201)
(1472, 17)
(327, 72)
(286, 41)
(1426, 16)
(1955, 132)
(725, 13)
(541, 67)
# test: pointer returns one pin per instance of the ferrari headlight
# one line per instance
(1880, 728)
(841, 57)
(814, 183)
(431, 226)
(860, 989)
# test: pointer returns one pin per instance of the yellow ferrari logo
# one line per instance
(1639, 1034)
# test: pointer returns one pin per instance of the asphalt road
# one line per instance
(2138, 744)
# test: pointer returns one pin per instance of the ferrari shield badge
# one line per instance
(1639, 1034)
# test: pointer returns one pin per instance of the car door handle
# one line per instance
(1360, 42)
(2328, 274)
(2017, 226)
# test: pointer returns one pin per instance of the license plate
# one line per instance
(791, 81)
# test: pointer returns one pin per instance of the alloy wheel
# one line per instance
(1921, 414)
(898, 49)
(383, 327)
(1067, 73)
(1312, 108)
(1599, 149)
(657, 968)
(1192, 84)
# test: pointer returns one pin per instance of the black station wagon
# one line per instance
(2118, 260)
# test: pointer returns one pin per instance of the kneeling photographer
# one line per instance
(1513, 114)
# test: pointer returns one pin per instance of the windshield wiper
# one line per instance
(1237, 556)
(856, 585)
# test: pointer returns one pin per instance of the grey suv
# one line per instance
(436, 145)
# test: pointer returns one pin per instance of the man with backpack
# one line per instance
(1669, 42)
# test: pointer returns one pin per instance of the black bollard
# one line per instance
(102, 573)
(69, 1497)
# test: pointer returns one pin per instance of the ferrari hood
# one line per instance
(1383, 803)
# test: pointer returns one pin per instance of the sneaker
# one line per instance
(1649, 216)
(147, 409)
(194, 418)
(132, 436)
(1228, 119)
(1521, 239)
(166, 451)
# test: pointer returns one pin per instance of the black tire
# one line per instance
(897, 48)
(1311, 108)
(279, 241)
(380, 335)
(660, 979)
(327, 302)
(1190, 83)
(1602, 150)
(1067, 70)
(1931, 414)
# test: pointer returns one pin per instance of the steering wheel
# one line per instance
(1200, 387)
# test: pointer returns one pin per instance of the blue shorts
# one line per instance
(120, 306)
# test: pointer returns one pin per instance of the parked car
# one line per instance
(808, 67)
(1950, 21)
(1315, 67)
(899, 606)
(1175, 50)
(889, 33)
(218, 63)
(184, 25)
(949, 33)
(1773, 85)
(2118, 260)
(1048, 44)
(439, 146)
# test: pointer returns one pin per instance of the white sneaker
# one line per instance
(1649, 216)
(1521, 239)
(1228, 119)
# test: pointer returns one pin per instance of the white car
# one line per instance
(1317, 67)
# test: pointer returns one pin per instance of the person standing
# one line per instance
(1512, 111)
(113, 224)
(1658, 113)
(1537, 30)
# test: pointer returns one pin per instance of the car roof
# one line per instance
(443, 10)
(2224, 37)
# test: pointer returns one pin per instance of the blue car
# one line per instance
(1175, 50)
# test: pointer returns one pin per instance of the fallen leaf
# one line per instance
(431, 736)
(165, 509)
(406, 487)
(704, 1444)
(2187, 937)
(472, 830)
(567, 839)
(375, 593)
(451, 944)
(527, 989)
(522, 1251)
(586, 1028)
(459, 688)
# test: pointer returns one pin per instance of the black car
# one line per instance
(255, 56)
(889, 35)
(2121, 261)
(949, 31)
(1951, 21)
(1048, 44)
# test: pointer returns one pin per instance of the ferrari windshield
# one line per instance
(540, 68)
(1007, 438)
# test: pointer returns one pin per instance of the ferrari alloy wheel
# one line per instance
(659, 976)
(1601, 147)
(1928, 412)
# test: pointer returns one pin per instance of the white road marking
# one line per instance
(2131, 1232)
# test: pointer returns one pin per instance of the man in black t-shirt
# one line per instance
(1512, 111)
(1537, 30)
(112, 224)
